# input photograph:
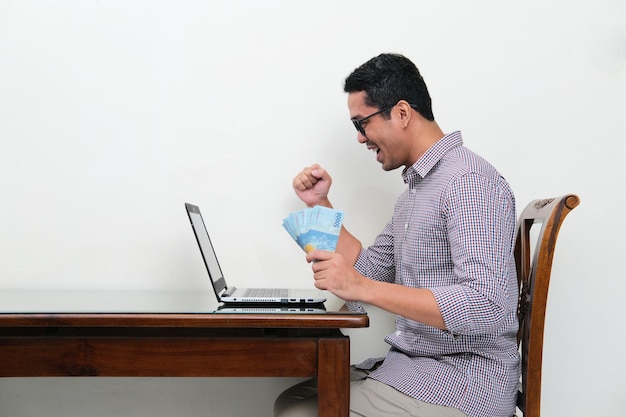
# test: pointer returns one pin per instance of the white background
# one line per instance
(114, 113)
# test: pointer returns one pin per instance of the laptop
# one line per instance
(272, 308)
(231, 294)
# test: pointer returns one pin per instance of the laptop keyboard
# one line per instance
(267, 292)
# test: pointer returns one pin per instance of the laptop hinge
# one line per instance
(229, 291)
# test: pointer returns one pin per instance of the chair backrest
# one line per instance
(534, 250)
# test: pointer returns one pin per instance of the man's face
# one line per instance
(381, 135)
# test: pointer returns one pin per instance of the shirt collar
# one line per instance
(413, 174)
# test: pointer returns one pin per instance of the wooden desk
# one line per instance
(189, 344)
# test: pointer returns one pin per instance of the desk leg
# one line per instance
(333, 376)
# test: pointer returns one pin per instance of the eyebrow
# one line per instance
(357, 117)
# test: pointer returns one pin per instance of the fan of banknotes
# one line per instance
(315, 227)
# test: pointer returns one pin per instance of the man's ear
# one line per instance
(404, 111)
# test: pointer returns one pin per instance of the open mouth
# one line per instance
(376, 151)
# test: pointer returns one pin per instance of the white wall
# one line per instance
(114, 113)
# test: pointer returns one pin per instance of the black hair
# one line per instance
(389, 78)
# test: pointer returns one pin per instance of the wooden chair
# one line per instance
(533, 259)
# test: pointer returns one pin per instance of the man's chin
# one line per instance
(389, 167)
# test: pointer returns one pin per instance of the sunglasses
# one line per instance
(358, 123)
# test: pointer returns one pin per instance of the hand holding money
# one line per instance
(315, 227)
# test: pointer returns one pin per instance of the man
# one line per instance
(444, 264)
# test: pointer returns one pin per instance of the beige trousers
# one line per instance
(368, 398)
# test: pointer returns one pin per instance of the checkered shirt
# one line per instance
(453, 232)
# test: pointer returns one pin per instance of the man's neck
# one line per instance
(426, 135)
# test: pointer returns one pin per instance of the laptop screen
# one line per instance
(206, 248)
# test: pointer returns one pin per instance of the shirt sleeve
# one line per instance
(480, 218)
(377, 261)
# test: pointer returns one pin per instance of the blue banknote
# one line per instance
(315, 228)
